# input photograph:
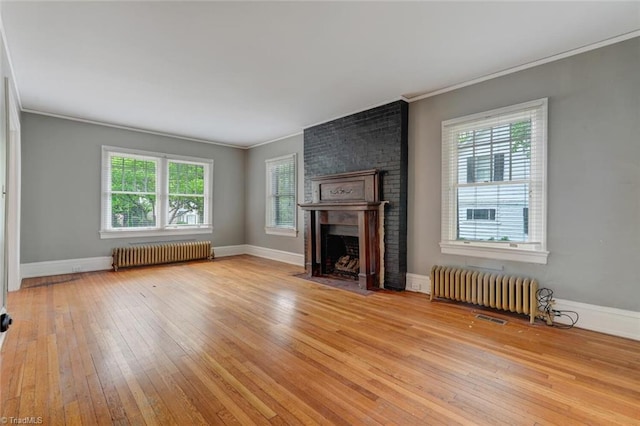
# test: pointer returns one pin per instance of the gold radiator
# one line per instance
(160, 253)
(492, 290)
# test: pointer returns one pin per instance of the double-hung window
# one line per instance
(494, 184)
(146, 193)
(281, 196)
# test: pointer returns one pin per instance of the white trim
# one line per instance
(283, 232)
(528, 65)
(279, 255)
(418, 283)
(13, 79)
(618, 322)
(105, 235)
(102, 263)
(275, 140)
(230, 250)
(67, 266)
(133, 129)
(14, 177)
(500, 253)
(614, 321)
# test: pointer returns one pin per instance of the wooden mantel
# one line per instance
(345, 199)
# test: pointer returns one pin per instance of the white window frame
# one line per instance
(162, 198)
(516, 251)
(271, 227)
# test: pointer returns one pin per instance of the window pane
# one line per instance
(132, 174)
(186, 178)
(284, 210)
(133, 210)
(492, 212)
(482, 166)
(283, 179)
(186, 210)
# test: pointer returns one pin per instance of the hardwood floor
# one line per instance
(242, 341)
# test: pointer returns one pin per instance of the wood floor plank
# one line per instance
(241, 340)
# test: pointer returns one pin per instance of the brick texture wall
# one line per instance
(372, 139)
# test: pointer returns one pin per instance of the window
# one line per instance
(494, 184)
(281, 196)
(481, 214)
(146, 193)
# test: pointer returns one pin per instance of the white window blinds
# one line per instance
(494, 183)
(281, 195)
(146, 193)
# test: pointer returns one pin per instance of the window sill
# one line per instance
(284, 232)
(495, 251)
(154, 232)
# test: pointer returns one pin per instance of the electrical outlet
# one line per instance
(76, 268)
(415, 286)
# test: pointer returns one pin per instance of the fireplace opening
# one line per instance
(341, 255)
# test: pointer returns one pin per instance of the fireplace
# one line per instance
(341, 253)
(342, 236)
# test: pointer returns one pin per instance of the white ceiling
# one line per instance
(243, 73)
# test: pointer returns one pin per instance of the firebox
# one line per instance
(342, 253)
(342, 236)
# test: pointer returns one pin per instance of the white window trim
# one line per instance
(162, 159)
(284, 231)
(521, 252)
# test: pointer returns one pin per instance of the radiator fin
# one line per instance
(505, 292)
(160, 253)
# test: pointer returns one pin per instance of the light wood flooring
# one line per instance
(242, 341)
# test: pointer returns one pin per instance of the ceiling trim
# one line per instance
(542, 61)
(275, 140)
(13, 78)
(133, 129)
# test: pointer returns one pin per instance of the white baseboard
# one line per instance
(67, 266)
(230, 250)
(70, 266)
(418, 283)
(279, 255)
(617, 322)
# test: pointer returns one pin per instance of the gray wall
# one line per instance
(255, 192)
(61, 169)
(593, 173)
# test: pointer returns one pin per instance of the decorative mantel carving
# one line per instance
(345, 199)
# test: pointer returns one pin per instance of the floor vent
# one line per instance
(491, 319)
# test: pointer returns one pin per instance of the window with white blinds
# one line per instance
(146, 193)
(281, 196)
(494, 184)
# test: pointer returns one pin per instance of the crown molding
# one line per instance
(528, 65)
(133, 129)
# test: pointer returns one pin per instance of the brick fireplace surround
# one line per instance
(372, 139)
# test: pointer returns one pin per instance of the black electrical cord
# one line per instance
(545, 305)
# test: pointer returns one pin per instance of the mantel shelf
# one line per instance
(366, 205)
